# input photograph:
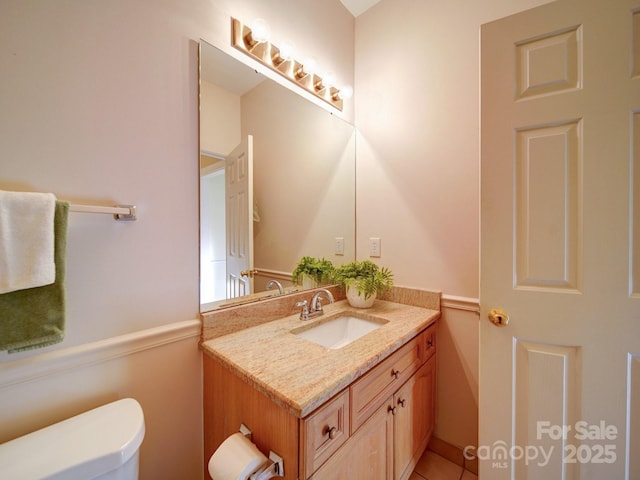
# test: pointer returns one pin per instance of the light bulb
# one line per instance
(286, 51)
(260, 31)
(345, 92)
(310, 66)
(329, 79)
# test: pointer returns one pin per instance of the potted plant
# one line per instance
(363, 281)
(311, 272)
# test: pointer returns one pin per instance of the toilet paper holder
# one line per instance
(273, 468)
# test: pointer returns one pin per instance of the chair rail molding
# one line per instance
(34, 367)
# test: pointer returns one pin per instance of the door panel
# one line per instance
(548, 208)
(635, 200)
(633, 418)
(549, 63)
(560, 241)
(546, 387)
(239, 217)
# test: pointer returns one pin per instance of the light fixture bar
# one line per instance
(269, 55)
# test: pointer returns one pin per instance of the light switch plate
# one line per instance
(339, 246)
(374, 247)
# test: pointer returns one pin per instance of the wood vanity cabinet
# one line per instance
(376, 428)
(391, 441)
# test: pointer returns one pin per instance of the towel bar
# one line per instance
(120, 212)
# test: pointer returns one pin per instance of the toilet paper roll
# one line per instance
(235, 459)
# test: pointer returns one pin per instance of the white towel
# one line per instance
(26, 240)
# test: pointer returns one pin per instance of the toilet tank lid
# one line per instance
(84, 446)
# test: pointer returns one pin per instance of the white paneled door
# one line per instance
(560, 243)
(239, 219)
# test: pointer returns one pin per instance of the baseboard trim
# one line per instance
(453, 454)
(58, 361)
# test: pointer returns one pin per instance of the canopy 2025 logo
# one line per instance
(571, 448)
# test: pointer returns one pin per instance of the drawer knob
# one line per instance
(332, 431)
(391, 409)
(430, 342)
(395, 373)
(402, 402)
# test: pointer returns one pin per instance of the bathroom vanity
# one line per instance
(361, 410)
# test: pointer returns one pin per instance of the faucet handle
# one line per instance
(304, 313)
(318, 304)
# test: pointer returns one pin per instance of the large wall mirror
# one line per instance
(277, 182)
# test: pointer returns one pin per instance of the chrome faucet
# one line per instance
(275, 283)
(316, 301)
(315, 308)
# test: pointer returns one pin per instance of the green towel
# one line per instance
(34, 317)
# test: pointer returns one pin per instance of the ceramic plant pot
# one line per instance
(357, 300)
(308, 282)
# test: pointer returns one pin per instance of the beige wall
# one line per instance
(304, 177)
(100, 105)
(219, 119)
(417, 112)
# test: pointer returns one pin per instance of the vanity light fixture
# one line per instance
(254, 41)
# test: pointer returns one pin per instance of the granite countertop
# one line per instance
(301, 375)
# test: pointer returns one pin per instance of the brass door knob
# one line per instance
(499, 317)
(248, 273)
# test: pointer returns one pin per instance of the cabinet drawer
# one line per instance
(371, 391)
(324, 431)
(428, 342)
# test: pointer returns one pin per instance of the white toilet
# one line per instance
(102, 444)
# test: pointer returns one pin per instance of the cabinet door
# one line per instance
(413, 419)
(368, 455)
(323, 432)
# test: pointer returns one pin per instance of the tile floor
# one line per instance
(434, 467)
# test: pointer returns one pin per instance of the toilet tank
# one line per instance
(102, 443)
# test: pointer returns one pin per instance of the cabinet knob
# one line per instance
(430, 342)
(402, 402)
(332, 431)
(391, 409)
(395, 373)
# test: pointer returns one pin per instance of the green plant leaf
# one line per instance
(320, 269)
(366, 276)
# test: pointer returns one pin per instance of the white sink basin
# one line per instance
(337, 332)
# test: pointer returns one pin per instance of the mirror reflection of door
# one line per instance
(239, 219)
(226, 230)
